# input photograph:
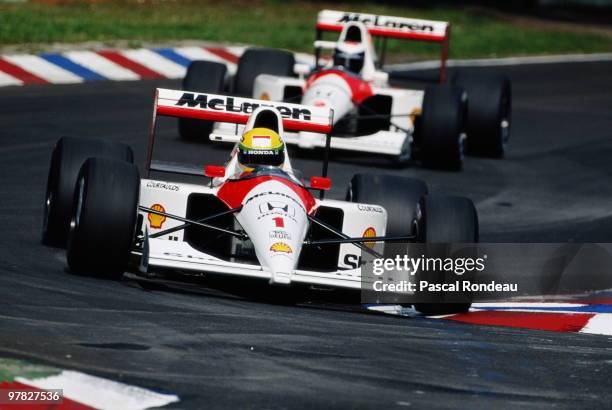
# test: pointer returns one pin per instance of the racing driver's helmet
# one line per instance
(260, 146)
(349, 55)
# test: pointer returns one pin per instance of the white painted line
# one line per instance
(519, 305)
(531, 307)
(101, 65)
(199, 53)
(538, 311)
(156, 62)
(101, 393)
(43, 69)
(506, 61)
(6, 79)
(600, 324)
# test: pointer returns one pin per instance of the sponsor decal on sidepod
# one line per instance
(156, 221)
(369, 233)
(162, 185)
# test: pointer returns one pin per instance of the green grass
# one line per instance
(11, 368)
(285, 24)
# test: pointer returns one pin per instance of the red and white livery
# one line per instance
(273, 207)
(261, 223)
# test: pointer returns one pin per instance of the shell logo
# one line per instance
(369, 233)
(264, 96)
(156, 221)
(281, 247)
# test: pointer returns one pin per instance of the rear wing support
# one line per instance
(385, 27)
(151, 142)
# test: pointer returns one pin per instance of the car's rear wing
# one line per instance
(236, 110)
(385, 26)
(390, 27)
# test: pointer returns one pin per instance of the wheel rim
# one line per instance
(52, 183)
(417, 228)
(48, 202)
(504, 122)
(76, 217)
(461, 146)
(505, 131)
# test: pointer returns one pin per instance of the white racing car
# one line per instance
(262, 223)
(369, 114)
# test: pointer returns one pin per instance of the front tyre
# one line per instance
(104, 218)
(398, 195)
(68, 156)
(445, 220)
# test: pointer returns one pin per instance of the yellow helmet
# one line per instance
(260, 146)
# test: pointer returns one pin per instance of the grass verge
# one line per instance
(274, 23)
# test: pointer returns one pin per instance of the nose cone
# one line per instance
(274, 216)
(330, 91)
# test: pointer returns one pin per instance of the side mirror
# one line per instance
(302, 70)
(320, 183)
(329, 45)
(213, 171)
(380, 78)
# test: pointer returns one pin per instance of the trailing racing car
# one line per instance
(369, 114)
(254, 217)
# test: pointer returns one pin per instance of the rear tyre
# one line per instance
(441, 127)
(104, 218)
(205, 77)
(443, 220)
(256, 61)
(398, 195)
(489, 106)
(68, 156)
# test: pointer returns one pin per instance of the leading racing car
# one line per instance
(369, 114)
(254, 217)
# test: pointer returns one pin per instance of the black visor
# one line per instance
(351, 61)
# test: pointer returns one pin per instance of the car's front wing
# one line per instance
(179, 255)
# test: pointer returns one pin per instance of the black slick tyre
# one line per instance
(205, 77)
(68, 156)
(104, 218)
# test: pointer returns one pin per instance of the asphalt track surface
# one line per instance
(220, 351)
